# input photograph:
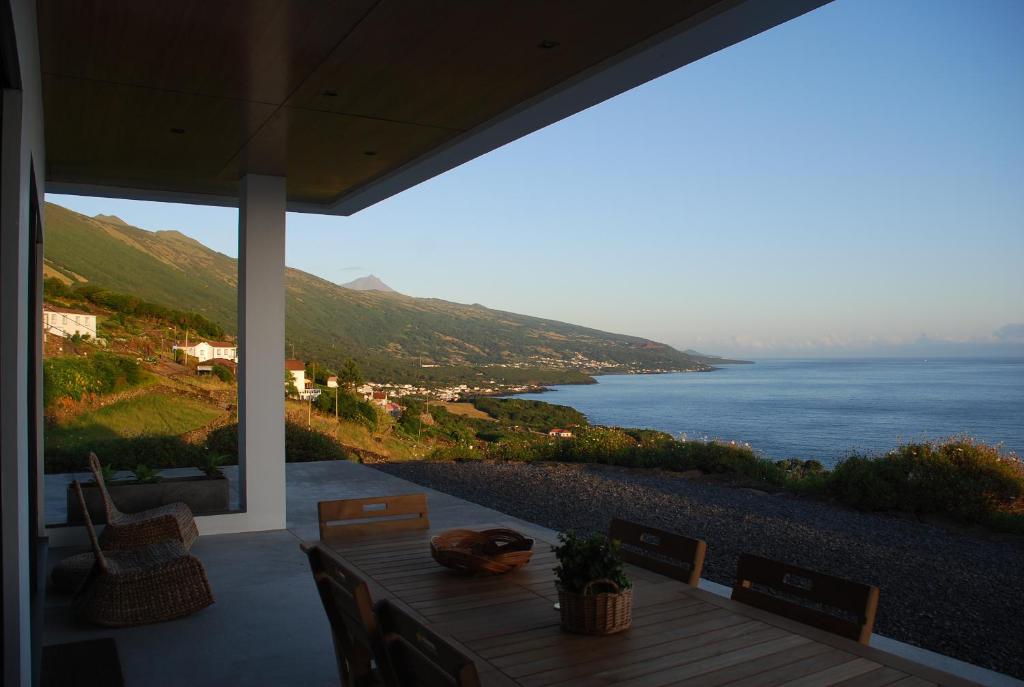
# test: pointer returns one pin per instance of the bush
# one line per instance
(302, 445)
(126, 453)
(350, 407)
(222, 372)
(959, 477)
(75, 377)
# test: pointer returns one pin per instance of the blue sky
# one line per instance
(851, 182)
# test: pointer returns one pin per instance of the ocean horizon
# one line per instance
(823, 409)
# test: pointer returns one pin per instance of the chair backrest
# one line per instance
(353, 517)
(101, 560)
(418, 656)
(824, 601)
(349, 608)
(97, 473)
(665, 553)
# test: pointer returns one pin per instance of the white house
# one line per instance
(297, 369)
(68, 323)
(208, 350)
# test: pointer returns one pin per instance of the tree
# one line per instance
(350, 376)
(290, 390)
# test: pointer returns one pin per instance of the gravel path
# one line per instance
(955, 592)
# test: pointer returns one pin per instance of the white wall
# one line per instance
(22, 149)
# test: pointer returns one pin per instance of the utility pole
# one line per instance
(336, 403)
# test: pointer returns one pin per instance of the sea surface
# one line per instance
(823, 409)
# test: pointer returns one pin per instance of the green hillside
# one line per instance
(389, 334)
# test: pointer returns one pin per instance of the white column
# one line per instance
(261, 252)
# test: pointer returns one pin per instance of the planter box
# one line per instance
(204, 495)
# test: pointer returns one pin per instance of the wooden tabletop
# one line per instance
(679, 635)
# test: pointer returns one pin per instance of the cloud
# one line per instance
(1010, 332)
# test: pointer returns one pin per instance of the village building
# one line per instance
(66, 323)
(560, 433)
(208, 350)
(297, 369)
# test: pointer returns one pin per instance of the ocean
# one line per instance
(823, 409)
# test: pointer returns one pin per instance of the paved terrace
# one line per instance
(267, 626)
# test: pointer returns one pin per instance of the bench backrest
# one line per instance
(354, 517)
(354, 629)
(665, 553)
(824, 601)
(418, 656)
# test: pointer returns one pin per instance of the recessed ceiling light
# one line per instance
(369, 153)
(547, 44)
(331, 94)
(177, 130)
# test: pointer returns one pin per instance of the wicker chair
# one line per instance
(133, 530)
(157, 582)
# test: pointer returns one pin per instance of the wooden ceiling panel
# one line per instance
(258, 50)
(306, 88)
(327, 152)
(112, 133)
(456, 64)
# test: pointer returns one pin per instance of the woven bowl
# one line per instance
(488, 552)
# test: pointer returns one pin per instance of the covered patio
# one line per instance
(268, 625)
(272, 107)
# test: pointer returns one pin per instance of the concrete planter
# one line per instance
(204, 495)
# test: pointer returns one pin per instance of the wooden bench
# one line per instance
(377, 515)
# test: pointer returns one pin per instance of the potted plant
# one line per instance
(594, 594)
(204, 494)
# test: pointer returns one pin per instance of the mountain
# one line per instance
(389, 334)
(368, 283)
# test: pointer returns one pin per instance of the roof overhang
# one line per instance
(352, 102)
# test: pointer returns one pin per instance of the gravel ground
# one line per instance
(956, 592)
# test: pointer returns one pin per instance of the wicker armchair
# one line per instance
(133, 530)
(157, 582)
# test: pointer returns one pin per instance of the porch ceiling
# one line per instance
(177, 100)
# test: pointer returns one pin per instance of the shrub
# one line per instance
(74, 377)
(959, 477)
(223, 373)
(302, 445)
(124, 453)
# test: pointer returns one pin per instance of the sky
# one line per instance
(848, 183)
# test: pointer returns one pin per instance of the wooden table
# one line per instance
(679, 635)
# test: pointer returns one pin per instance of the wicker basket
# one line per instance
(490, 552)
(603, 613)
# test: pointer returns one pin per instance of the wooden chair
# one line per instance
(133, 530)
(381, 514)
(358, 645)
(665, 553)
(418, 656)
(829, 603)
(150, 584)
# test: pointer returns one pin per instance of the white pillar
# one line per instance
(261, 247)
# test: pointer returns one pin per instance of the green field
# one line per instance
(149, 415)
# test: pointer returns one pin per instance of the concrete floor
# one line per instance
(267, 626)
